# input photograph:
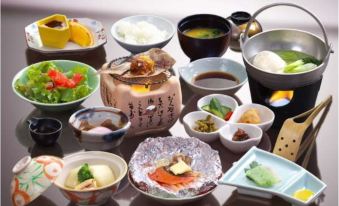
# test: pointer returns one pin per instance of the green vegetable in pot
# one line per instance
(84, 173)
(261, 175)
(301, 65)
(290, 56)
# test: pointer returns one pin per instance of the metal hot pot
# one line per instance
(286, 39)
(296, 93)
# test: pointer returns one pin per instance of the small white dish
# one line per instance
(213, 64)
(189, 123)
(159, 22)
(266, 115)
(225, 100)
(34, 42)
(227, 132)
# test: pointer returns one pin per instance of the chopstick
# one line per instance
(309, 142)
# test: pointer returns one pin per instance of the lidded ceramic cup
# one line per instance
(33, 176)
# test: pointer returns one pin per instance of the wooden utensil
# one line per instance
(291, 134)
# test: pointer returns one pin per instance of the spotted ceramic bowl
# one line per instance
(95, 116)
(96, 196)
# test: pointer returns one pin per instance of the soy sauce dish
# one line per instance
(214, 75)
(99, 128)
(44, 131)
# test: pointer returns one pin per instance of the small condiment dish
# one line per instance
(106, 118)
(189, 124)
(44, 131)
(227, 132)
(266, 115)
(225, 100)
(94, 196)
(159, 22)
(213, 64)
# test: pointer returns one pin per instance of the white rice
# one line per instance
(140, 32)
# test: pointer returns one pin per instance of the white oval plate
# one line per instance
(34, 42)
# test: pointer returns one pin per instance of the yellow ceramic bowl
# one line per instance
(54, 37)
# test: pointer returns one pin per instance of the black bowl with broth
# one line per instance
(198, 47)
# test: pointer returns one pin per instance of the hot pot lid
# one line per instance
(33, 176)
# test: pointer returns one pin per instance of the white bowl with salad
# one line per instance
(219, 105)
(56, 85)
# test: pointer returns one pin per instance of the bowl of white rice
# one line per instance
(142, 32)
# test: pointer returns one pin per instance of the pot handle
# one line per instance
(245, 34)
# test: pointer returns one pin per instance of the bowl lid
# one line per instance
(33, 176)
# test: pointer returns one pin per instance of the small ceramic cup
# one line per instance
(44, 131)
(189, 124)
(227, 132)
(33, 176)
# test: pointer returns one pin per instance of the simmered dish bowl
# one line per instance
(99, 128)
(175, 169)
(84, 192)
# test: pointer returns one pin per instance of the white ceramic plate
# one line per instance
(34, 42)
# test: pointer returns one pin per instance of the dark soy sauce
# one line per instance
(55, 24)
(216, 79)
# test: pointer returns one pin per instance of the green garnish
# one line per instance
(216, 108)
(261, 175)
(84, 173)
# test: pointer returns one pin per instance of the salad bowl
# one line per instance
(67, 99)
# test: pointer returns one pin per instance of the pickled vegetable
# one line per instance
(205, 125)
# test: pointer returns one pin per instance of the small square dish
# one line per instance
(264, 174)
(34, 42)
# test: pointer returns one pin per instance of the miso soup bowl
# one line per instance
(197, 48)
(95, 116)
(96, 196)
(213, 64)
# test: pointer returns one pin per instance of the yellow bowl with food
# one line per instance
(54, 31)
(91, 178)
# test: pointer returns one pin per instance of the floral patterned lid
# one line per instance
(33, 176)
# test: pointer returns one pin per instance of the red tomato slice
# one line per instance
(60, 80)
(77, 78)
